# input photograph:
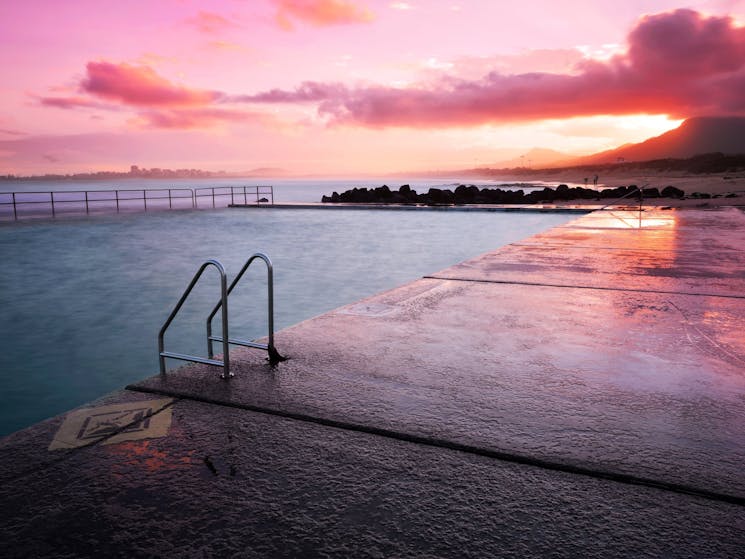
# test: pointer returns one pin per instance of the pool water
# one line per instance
(83, 299)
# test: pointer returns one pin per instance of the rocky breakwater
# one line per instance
(470, 194)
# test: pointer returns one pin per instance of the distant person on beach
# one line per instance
(585, 181)
(595, 180)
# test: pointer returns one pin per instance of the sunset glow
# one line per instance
(340, 87)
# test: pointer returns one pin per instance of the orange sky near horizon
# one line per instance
(342, 87)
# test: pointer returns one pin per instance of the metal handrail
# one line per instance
(215, 192)
(274, 355)
(88, 197)
(225, 363)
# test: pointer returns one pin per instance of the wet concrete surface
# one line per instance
(592, 405)
(670, 252)
(584, 378)
(232, 483)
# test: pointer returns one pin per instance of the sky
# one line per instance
(343, 87)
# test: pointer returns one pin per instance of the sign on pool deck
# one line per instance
(114, 423)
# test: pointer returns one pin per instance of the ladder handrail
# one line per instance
(269, 347)
(162, 354)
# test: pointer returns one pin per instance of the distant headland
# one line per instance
(136, 172)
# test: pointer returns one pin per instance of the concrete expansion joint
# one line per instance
(615, 249)
(598, 288)
(628, 479)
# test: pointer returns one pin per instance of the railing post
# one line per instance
(52, 198)
(116, 194)
(641, 203)
(170, 204)
(86, 202)
(245, 200)
(144, 198)
(270, 306)
(232, 200)
(226, 374)
(213, 197)
(15, 211)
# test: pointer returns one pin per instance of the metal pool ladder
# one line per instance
(225, 339)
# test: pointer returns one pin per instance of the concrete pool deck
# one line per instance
(580, 393)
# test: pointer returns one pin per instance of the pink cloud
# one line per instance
(320, 12)
(195, 118)
(305, 92)
(165, 105)
(684, 43)
(72, 103)
(210, 22)
(679, 63)
(140, 86)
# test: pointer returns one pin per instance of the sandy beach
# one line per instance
(717, 185)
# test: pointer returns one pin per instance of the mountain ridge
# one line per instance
(695, 136)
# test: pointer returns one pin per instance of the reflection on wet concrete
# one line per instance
(672, 253)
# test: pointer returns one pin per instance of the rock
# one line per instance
(618, 192)
(408, 194)
(672, 192)
(438, 196)
(383, 193)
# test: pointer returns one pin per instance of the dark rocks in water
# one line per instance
(618, 192)
(407, 193)
(466, 194)
(470, 194)
(437, 196)
(383, 192)
(357, 195)
(672, 192)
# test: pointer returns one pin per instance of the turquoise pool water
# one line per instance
(83, 299)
